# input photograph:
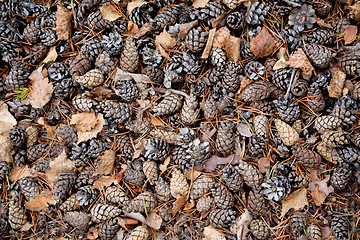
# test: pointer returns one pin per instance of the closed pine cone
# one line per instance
(261, 125)
(17, 215)
(204, 204)
(288, 135)
(178, 184)
(298, 222)
(151, 171)
(70, 204)
(313, 232)
(169, 105)
(101, 213)
(78, 220)
(129, 58)
(328, 153)
(162, 190)
(29, 187)
(307, 157)
(201, 186)
(232, 178)
(64, 182)
(259, 229)
(137, 204)
(225, 141)
(220, 218)
(190, 112)
(32, 134)
(256, 91)
(139, 233)
(115, 194)
(256, 202)
(222, 196)
(327, 122)
(92, 78)
(109, 229)
(80, 65)
(335, 138)
(250, 174)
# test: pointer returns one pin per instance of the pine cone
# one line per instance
(235, 20)
(231, 79)
(256, 144)
(220, 218)
(329, 154)
(293, 38)
(166, 17)
(116, 112)
(198, 152)
(126, 90)
(78, 220)
(225, 141)
(302, 18)
(261, 123)
(162, 189)
(139, 233)
(318, 55)
(249, 173)
(307, 157)
(64, 182)
(5, 168)
(327, 122)
(196, 39)
(178, 184)
(168, 105)
(17, 214)
(256, 13)
(83, 103)
(204, 204)
(340, 227)
(67, 134)
(96, 22)
(256, 202)
(264, 106)
(345, 109)
(350, 64)
(282, 77)
(218, 57)
(125, 148)
(19, 155)
(256, 91)
(254, 70)
(80, 65)
(355, 92)
(155, 74)
(298, 180)
(201, 186)
(29, 187)
(32, 31)
(4, 228)
(112, 43)
(115, 194)
(298, 222)
(259, 229)
(134, 177)
(276, 188)
(156, 149)
(349, 154)
(335, 138)
(86, 195)
(315, 99)
(211, 11)
(129, 58)
(288, 135)
(70, 204)
(141, 15)
(37, 151)
(32, 134)
(313, 232)
(340, 178)
(137, 204)
(287, 109)
(222, 196)
(232, 178)
(48, 37)
(150, 169)
(321, 36)
(300, 88)
(92, 78)
(189, 112)
(109, 229)
(322, 8)
(17, 136)
(101, 213)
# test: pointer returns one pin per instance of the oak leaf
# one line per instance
(319, 189)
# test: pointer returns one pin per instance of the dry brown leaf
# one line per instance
(207, 135)
(19, 172)
(6, 117)
(185, 28)
(165, 40)
(144, 30)
(86, 135)
(132, 5)
(52, 55)
(296, 200)
(26, 227)
(177, 205)
(154, 221)
(319, 189)
(245, 81)
(59, 164)
(232, 48)
(221, 36)
(84, 121)
(41, 89)
(156, 121)
(350, 34)
(51, 130)
(211, 164)
(321, 22)
(127, 223)
(63, 23)
(105, 163)
(162, 51)
(263, 44)
(301, 61)
(110, 13)
(326, 232)
(356, 11)
(189, 205)
(121, 75)
(104, 182)
(93, 233)
(211, 233)
(6, 146)
(200, 3)
(41, 202)
(244, 129)
(264, 164)
(209, 44)
(335, 88)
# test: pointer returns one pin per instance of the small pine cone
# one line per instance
(83, 103)
(17, 214)
(64, 182)
(313, 232)
(321, 36)
(196, 39)
(37, 151)
(112, 43)
(19, 155)
(86, 195)
(168, 105)
(126, 90)
(222, 196)
(287, 109)
(350, 64)
(329, 154)
(109, 229)
(249, 173)
(315, 99)
(70, 204)
(80, 65)
(163, 134)
(29, 187)
(220, 218)
(288, 135)
(276, 188)
(307, 157)
(198, 152)
(200, 187)
(58, 71)
(261, 123)
(189, 112)
(178, 184)
(254, 70)
(355, 92)
(318, 55)
(256, 13)
(101, 213)
(64, 88)
(300, 88)
(48, 37)
(129, 58)
(166, 212)
(78, 220)
(211, 11)
(225, 140)
(259, 229)
(298, 222)
(150, 169)
(96, 22)
(124, 145)
(355, 139)
(105, 63)
(155, 74)
(245, 51)
(218, 57)
(340, 227)
(256, 91)
(140, 125)
(232, 178)
(267, 107)
(282, 77)
(327, 122)
(210, 108)
(32, 134)
(32, 31)
(139, 233)
(165, 18)
(37, 53)
(204, 204)
(322, 8)
(340, 178)
(256, 202)
(116, 112)
(231, 79)
(17, 136)
(137, 204)
(68, 135)
(5, 168)
(345, 109)
(4, 228)
(134, 177)
(92, 78)
(297, 180)
(18, 76)
(156, 149)
(116, 195)
(235, 20)
(349, 154)
(335, 138)
(162, 189)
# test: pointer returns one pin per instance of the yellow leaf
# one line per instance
(296, 200)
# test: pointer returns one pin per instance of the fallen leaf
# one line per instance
(244, 82)
(263, 44)
(177, 205)
(301, 61)
(244, 129)
(154, 221)
(51, 130)
(164, 165)
(325, 232)
(41, 89)
(200, 3)
(121, 75)
(221, 36)
(59, 164)
(296, 200)
(350, 34)
(132, 5)
(356, 11)
(207, 135)
(240, 223)
(335, 88)
(215, 23)
(86, 135)
(26, 227)
(52, 55)
(321, 22)
(192, 175)
(5, 126)
(18, 172)
(93, 233)
(162, 51)
(110, 13)
(144, 30)
(127, 223)
(232, 48)
(104, 182)
(41, 202)
(212, 163)
(264, 164)
(165, 40)
(156, 121)
(105, 164)
(319, 189)
(211, 233)
(84, 121)
(6, 116)
(183, 29)
(63, 23)
(209, 44)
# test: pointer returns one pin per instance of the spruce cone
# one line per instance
(101, 213)
(17, 215)
(150, 169)
(256, 202)
(225, 141)
(92, 78)
(288, 135)
(129, 58)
